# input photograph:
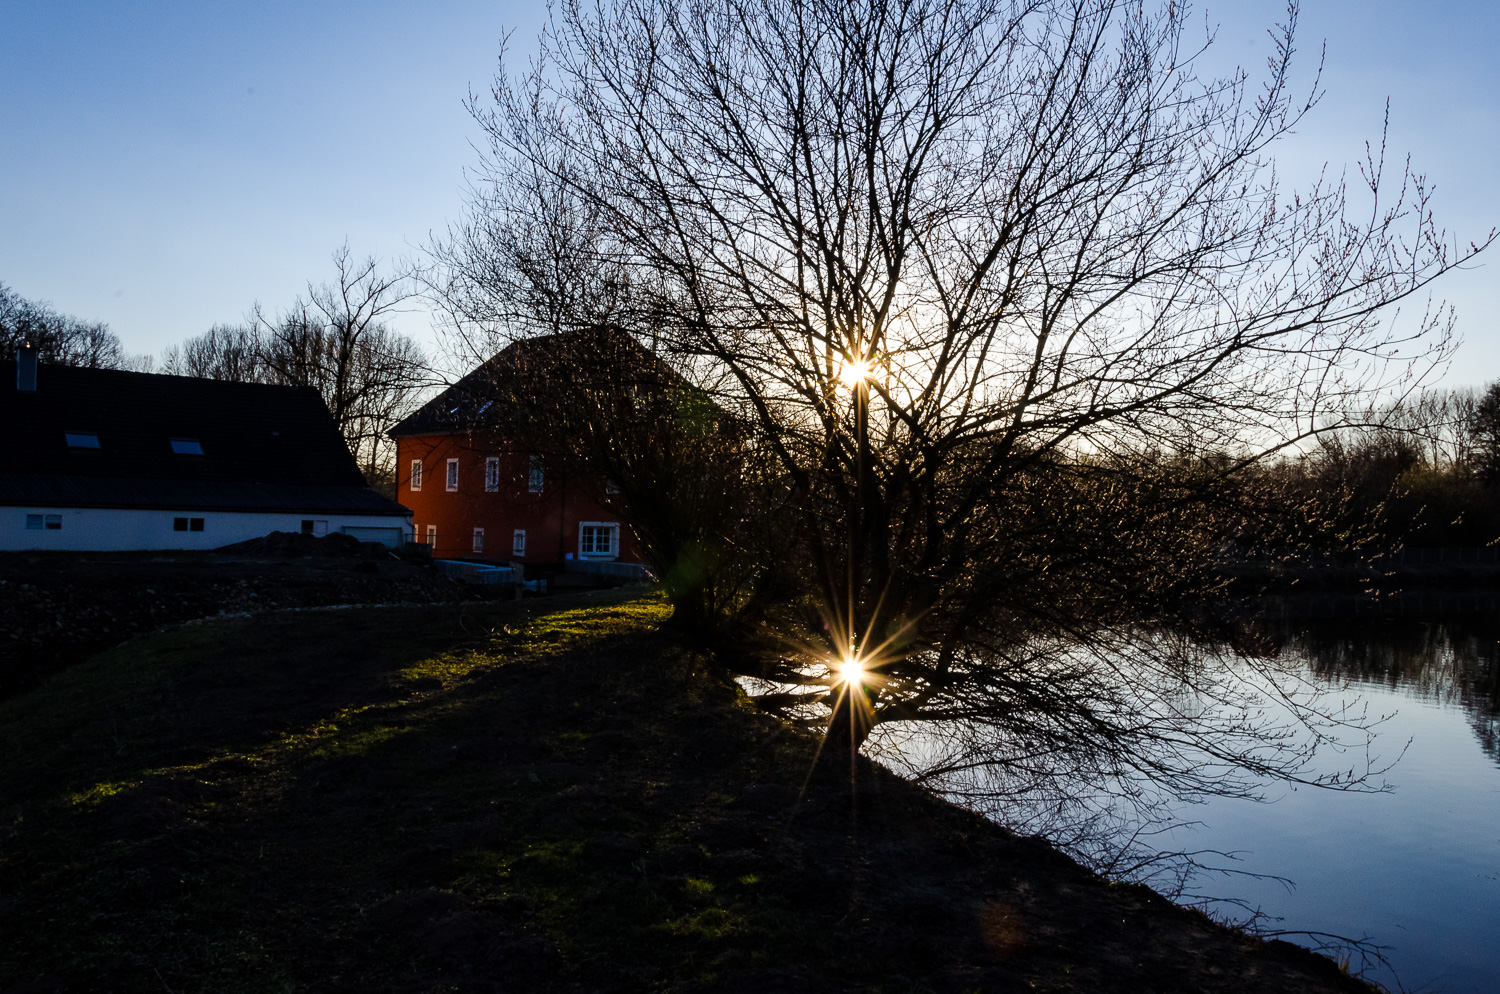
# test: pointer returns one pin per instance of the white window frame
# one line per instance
(452, 476)
(416, 474)
(536, 475)
(518, 543)
(432, 536)
(491, 474)
(613, 527)
(478, 540)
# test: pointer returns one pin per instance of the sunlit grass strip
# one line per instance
(349, 731)
(98, 793)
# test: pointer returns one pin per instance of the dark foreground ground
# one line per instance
(548, 796)
(58, 608)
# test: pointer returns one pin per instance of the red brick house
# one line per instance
(477, 494)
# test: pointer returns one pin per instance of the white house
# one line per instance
(107, 460)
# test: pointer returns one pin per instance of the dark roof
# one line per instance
(278, 437)
(469, 404)
(482, 399)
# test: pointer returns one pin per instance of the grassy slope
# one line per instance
(540, 797)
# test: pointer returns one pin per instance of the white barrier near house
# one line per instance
(457, 569)
(463, 572)
(624, 571)
(391, 538)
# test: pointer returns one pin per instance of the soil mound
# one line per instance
(59, 608)
(293, 545)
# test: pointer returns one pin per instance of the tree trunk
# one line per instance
(852, 721)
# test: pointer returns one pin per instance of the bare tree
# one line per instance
(59, 338)
(1483, 424)
(980, 281)
(225, 352)
(337, 340)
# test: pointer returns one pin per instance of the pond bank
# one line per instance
(546, 796)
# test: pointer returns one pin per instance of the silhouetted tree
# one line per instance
(960, 271)
(224, 352)
(335, 339)
(59, 338)
(1484, 434)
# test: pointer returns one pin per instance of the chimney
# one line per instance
(26, 368)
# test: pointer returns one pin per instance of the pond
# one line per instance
(1417, 869)
(1413, 872)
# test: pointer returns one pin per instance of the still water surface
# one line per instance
(1416, 869)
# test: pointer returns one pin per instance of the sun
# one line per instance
(852, 671)
(852, 374)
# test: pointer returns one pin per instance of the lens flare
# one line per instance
(852, 374)
(852, 671)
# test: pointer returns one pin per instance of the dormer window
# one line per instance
(82, 439)
(187, 447)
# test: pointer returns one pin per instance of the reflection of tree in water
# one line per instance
(1198, 707)
(1451, 662)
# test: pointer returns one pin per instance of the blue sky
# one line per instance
(165, 165)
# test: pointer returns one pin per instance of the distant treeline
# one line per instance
(61, 338)
(1419, 472)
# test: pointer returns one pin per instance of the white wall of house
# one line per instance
(113, 530)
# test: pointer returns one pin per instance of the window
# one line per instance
(534, 477)
(187, 447)
(44, 522)
(432, 535)
(416, 474)
(452, 474)
(491, 474)
(82, 439)
(518, 542)
(597, 538)
(314, 527)
(479, 540)
(187, 524)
